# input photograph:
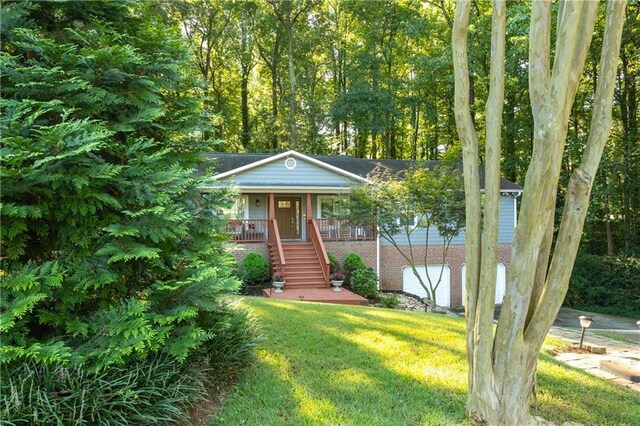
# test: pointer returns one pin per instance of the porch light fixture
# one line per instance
(257, 202)
(585, 322)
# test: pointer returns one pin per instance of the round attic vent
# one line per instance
(290, 163)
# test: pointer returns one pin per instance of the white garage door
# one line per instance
(410, 283)
(501, 282)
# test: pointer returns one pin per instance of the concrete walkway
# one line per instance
(623, 354)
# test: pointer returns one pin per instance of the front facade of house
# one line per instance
(284, 212)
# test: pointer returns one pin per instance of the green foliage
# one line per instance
(152, 390)
(352, 262)
(235, 336)
(390, 301)
(334, 264)
(427, 196)
(605, 284)
(423, 205)
(387, 88)
(255, 269)
(110, 252)
(365, 282)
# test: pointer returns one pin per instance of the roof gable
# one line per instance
(288, 169)
(240, 167)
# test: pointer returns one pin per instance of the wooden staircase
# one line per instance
(303, 269)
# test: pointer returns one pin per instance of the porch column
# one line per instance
(272, 206)
(309, 216)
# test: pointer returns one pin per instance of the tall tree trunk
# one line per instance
(607, 220)
(416, 130)
(245, 69)
(511, 172)
(273, 61)
(502, 365)
(628, 110)
(293, 127)
(244, 107)
(274, 106)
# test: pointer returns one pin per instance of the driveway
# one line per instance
(625, 327)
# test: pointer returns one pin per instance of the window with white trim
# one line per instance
(239, 210)
(327, 205)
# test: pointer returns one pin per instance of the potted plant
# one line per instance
(278, 282)
(337, 278)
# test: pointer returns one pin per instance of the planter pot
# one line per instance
(336, 285)
(278, 285)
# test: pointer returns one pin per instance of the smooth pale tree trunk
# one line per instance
(502, 365)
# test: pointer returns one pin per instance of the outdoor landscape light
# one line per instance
(257, 202)
(585, 322)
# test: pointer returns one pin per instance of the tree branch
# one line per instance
(581, 181)
(495, 102)
(539, 44)
(469, 142)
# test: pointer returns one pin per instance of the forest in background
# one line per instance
(114, 273)
(374, 79)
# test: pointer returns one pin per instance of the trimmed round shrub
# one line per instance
(390, 301)
(365, 282)
(255, 269)
(334, 264)
(352, 262)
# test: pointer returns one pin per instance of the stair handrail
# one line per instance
(274, 239)
(321, 252)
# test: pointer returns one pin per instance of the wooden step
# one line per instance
(313, 263)
(305, 285)
(302, 270)
(300, 253)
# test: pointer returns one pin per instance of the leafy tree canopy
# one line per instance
(422, 205)
(109, 250)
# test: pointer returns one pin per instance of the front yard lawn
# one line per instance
(326, 364)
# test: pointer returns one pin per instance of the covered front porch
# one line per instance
(295, 216)
(288, 203)
(295, 240)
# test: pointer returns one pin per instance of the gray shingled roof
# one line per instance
(224, 162)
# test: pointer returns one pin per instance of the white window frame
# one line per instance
(245, 212)
(319, 202)
(246, 205)
(416, 222)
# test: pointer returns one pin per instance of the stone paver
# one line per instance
(620, 352)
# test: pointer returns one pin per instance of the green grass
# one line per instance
(613, 336)
(338, 365)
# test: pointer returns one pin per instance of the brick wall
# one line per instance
(366, 250)
(241, 250)
(392, 264)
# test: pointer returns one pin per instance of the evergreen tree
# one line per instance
(109, 249)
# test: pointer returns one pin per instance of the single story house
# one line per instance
(284, 212)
